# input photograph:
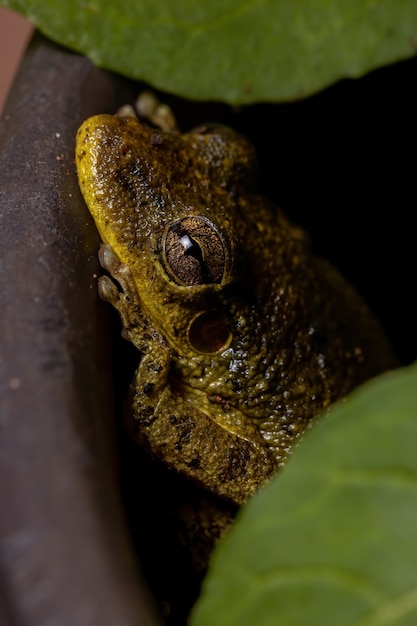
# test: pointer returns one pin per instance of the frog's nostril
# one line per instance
(209, 332)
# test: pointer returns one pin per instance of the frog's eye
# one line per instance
(193, 251)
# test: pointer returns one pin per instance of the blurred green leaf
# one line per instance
(232, 50)
(332, 539)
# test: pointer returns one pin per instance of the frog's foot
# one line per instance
(150, 108)
(126, 110)
(187, 439)
(126, 299)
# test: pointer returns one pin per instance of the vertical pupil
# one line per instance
(193, 251)
(192, 248)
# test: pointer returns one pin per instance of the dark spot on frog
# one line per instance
(195, 463)
(126, 177)
(235, 466)
(146, 419)
(156, 139)
(184, 426)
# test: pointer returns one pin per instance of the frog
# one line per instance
(245, 335)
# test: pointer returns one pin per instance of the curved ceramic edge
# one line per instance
(65, 556)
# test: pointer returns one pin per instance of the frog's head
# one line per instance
(169, 206)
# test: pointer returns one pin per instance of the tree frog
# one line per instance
(245, 335)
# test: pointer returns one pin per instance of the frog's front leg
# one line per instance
(171, 428)
(190, 441)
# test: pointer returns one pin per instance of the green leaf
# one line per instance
(332, 539)
(232, 50)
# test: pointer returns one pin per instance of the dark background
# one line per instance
(342, 164)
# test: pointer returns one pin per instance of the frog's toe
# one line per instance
(107, 289)
(108, 258)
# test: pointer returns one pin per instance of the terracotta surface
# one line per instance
(15, 31)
